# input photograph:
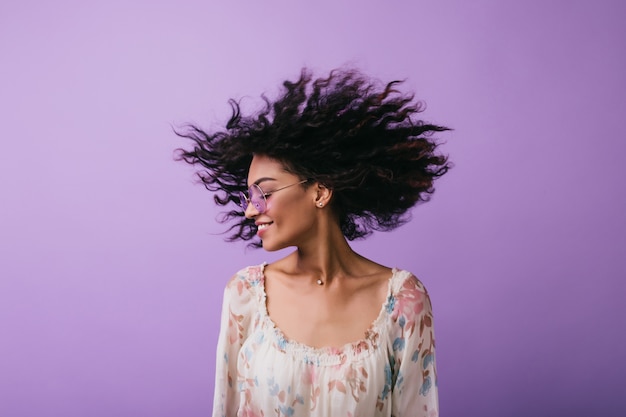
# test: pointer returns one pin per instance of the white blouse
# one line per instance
(390, 372)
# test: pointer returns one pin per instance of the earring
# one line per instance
(320, 204)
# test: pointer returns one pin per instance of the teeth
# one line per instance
(263, 226)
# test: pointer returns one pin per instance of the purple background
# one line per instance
(111, 269)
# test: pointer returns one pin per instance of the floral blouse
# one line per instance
(390, 372)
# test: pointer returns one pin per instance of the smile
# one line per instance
(263, 226)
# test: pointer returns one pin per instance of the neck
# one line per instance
(326, 259)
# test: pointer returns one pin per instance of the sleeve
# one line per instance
(234, 325)
(414, 379)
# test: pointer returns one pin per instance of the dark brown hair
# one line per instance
(354, 135)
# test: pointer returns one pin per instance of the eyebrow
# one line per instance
(263, 179)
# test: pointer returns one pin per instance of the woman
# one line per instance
(323, 331)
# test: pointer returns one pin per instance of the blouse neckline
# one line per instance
(328, 355)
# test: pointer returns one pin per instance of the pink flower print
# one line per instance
(235, 328)
(315, 393)
(431, 412)
(339, 353)
(427, 321)
(241, 286)
(309, 376)
(334, 350)
(360, 347)
(409, 305)
(338, 385)
(356, 377)
(247, 411)
(373, 337)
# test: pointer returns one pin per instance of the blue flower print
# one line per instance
(399, 381)
(426, 386)
(288, 411)
(391, 303)
(311, 360)
(387, 386)
(247, 353)
(398, 344)
(273, 386)
(428, 359)
(281, 342)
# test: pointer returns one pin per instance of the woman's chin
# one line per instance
(271, 247)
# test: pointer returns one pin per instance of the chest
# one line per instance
(324, 320)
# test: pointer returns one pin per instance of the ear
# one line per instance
(323, 195)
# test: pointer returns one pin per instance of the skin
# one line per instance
(355, 288)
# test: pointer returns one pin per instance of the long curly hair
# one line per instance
(356, 136)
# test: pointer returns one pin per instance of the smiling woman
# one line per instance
(323, 331)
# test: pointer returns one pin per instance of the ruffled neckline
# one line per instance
(329, 356)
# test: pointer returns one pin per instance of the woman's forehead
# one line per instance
(264, 165)
(263, 168)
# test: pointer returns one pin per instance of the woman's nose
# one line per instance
(251, 211)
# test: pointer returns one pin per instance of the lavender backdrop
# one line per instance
(111, 271)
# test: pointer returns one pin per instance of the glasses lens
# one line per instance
(243, 200)
(257, 198)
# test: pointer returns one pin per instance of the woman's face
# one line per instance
(290, 215)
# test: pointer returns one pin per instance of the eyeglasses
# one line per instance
(258, 198)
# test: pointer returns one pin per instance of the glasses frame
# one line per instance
(245, 200)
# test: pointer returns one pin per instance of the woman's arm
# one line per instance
(414, 386)
(234, 326)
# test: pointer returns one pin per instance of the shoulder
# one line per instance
(245, 282)
(406, 285)
(408, 302)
